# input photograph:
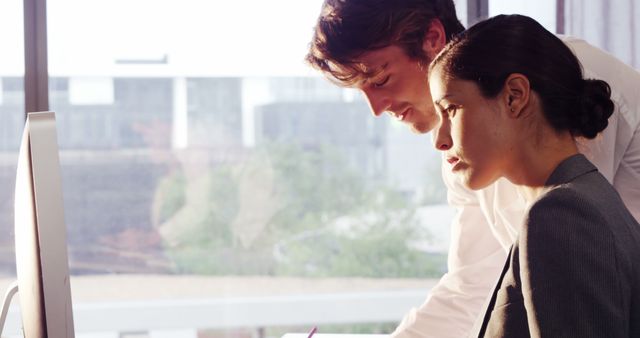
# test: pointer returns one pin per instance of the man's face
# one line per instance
(399, 87)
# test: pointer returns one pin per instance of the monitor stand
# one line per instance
(11, 291)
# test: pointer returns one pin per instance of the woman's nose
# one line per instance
(442, 136)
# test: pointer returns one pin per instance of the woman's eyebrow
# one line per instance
(437, 102)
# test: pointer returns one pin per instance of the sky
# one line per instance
(198, 37)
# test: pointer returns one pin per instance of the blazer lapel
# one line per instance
(567, 171)
(492, 302)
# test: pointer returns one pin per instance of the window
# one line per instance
(11, 112)
(206, 166)
(605, 24)
(202, 159)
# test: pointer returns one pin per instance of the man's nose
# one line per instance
(377, 103)
(442, 135)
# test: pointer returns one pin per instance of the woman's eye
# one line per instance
(382, 83)
(451, 110)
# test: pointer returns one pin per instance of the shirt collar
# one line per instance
(569, 169)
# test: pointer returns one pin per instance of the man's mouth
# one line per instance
(401, 116)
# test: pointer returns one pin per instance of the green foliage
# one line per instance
(315, 184)
(203, 210)
(174, 198)
(434, 190)
(377, 252)
(318, 217)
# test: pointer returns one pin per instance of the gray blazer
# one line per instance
(574, 270)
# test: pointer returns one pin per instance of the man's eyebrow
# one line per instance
(367, 73)
(371, 72)
(383, 67)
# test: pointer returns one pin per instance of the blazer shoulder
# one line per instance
(566, 214)
(565, 200)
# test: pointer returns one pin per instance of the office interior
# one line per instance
(216, 186)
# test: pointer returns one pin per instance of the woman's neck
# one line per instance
(535, 161)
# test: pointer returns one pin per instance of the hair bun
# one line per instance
(595, 108)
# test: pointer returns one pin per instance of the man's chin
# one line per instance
(420, 128)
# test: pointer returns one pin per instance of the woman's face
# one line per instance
(474, 131)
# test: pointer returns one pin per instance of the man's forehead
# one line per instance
(358, 73)
(375, 60)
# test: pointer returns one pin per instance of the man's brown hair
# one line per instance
(348, 28)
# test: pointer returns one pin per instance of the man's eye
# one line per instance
(382, 83)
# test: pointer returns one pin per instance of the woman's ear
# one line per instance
(435, 39)
(517, 92)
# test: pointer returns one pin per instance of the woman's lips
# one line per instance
(454, 162)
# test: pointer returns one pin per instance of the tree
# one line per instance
(286, 210)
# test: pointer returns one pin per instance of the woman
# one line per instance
(512, 101)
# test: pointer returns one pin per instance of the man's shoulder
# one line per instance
(601, 64)
(623, 79)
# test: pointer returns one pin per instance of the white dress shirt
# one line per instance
(487, 221)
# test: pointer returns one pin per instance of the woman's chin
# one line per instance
(475, 183)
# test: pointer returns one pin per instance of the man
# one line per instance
(383, 48)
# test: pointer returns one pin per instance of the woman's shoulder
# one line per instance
(587, 208)
(565, 202)
(566, 224)
(573, 222)
(565, 212)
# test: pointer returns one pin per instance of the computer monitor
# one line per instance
(41, 243)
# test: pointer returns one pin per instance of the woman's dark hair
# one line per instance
(348, 28)
(491, 50)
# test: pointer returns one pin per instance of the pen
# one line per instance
(312, 332)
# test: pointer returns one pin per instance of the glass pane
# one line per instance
(608, 25)
(12, 115)
(203, 160)
(544, 11)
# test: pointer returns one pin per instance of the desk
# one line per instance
(335, 335)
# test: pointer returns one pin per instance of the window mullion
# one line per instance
(477, 10)
(36, 80)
